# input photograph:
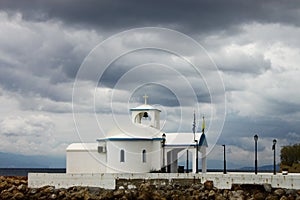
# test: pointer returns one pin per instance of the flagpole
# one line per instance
(196, 141)
(203, 149)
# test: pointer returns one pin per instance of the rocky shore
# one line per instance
(16, 188)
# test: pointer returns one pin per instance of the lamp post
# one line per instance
(187, 161)
(197, 145)
(224, 159)
(255, 139)
(163, 146)
(274, 149)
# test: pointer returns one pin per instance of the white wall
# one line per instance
(133, 156)
(85, 161)
(221, 181)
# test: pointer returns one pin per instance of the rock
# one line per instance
(144, 196)
(169, 187)
(22, 188)
(6, 195)
(211, 194)
(279, 192)
(267, 187)
(236, 195)
(3, 185)
(33, 191)
(11, 188)
(53, 196)
(290, 192)
(236, 187)
(145, 187)
(18, 195)
(107, 194)
(219, 197)
(225, 193)
(208, 185)
(48, 189)
(272, 197)
(17, 182)
(283, 198)
(156, 195)
(196, 186)
(118, 193)
(259, 196)
(94, 190)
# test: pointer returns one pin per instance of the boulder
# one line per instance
(119, 193)
(18, 195)
(272, 197)
(267, 187)
(283, 198)
(208, 185)
(259, 196)
(22, 188)
(279, 192)
(211, 195)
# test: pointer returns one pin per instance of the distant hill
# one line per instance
(261, 168)
(10, 160)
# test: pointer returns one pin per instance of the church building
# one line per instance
(136, 147)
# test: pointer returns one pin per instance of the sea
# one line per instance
(25, 171)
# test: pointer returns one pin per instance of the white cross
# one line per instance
(145, 97)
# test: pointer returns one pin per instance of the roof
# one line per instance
(128, 139)
(181, 138)
(82, 146)
(144, 107)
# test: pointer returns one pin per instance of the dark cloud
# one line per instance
(43, 43)
(186, 16)
(267, 126)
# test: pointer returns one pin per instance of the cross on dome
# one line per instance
(145, 97)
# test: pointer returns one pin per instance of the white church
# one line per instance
(137, 148)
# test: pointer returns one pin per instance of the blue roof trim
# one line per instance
(203, 141)
(180, 145)
(129, 139)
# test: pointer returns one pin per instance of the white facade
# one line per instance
(135, 148)
(139, 156)
(84, 158)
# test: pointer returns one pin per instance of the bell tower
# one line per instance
(146, 111)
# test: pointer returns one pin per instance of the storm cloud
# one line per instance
(254, 45)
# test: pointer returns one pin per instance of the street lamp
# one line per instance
(163, 146)
(255, 139)
(197, 146)
(273, 148)
(224, 159)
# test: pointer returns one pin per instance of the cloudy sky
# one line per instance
(236, 62)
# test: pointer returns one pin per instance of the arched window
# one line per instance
(144, 156)
(122, 156)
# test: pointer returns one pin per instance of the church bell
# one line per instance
(145, 115)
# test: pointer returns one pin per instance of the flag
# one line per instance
(203, 124)
(194, 123)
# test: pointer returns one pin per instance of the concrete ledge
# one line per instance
(108, 181)
(37, 180)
